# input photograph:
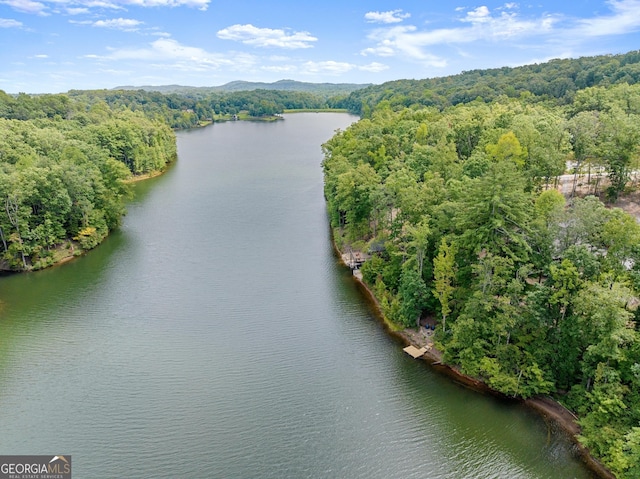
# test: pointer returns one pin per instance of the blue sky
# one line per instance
(50, 46)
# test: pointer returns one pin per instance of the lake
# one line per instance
(216, 335)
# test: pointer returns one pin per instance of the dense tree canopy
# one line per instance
(536, 292)
(187, 109)
(557, 82)
(65, 159)
(63, 172)
(479, 196)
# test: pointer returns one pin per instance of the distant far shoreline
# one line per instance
(317, 110)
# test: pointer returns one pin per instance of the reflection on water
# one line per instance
(215, 335)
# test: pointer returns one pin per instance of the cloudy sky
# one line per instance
(57, 45)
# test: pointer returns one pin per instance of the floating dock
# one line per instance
(415, 352)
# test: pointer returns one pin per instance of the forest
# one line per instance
(64, 171)
(554, 82)
(486, 202)
(497, 221)
(66, 159)
(192, 108)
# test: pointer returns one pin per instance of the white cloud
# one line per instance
(73, 7)
(168, 48)
(200, 4)
(9, 23)
(100, 4)
(331, 67)
(505, 26)
(479, 15)
(267, 37)
(42, 55)
(486, 26)
(77, 11)
(409, 42)
(26, 6)
(126, 24)
(166, 53)
(625, 18)
(374, 67)
(481, 25)
(393, 16)
(384, 49)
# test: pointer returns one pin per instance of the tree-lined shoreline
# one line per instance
(451, 188)
(546, 406)
(533, 292)
(64, 177)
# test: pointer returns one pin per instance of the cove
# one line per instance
(216, 335)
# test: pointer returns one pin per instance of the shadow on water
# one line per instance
(26, 298)
(449, 420)
(52, 286)
(164, 354)
(142, 189)
(464, 411)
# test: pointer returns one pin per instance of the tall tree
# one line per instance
(618, 146)
(493, 213)
(444, 271)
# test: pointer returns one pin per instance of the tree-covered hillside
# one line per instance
(63, 172)
(188, 109)
(556, 81)
(64, 158)
(534, 291)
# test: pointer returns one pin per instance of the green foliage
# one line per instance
(538, 292)
(413, 295)
(618, 147)
(63, 177)
(508, 148)
(629, 462)
(444, 269)
(188, 107)
(557, 81)
(493, 213)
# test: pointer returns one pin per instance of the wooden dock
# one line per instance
(415, 352)
(354, 259)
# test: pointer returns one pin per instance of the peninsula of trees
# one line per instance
(494, 216)
(190, 108)
(64, 167)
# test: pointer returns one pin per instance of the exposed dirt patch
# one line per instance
(630, 203)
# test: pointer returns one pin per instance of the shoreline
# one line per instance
(548, 408)
(75, 251)
(147, 176)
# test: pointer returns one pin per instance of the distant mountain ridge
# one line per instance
(239, 85)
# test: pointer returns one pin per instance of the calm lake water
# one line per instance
(216, 336)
